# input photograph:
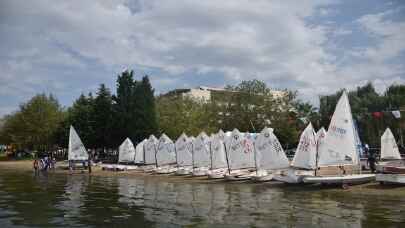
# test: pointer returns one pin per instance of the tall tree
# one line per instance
(103, 117)
(124, 108)
(145, 109)
(80, 115)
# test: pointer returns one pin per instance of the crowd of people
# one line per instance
(44, 163)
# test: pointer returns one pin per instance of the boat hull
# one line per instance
(263, 178)
(346, 179)
(293, 176)
(391, 178)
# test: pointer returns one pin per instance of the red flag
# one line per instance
(377, 115)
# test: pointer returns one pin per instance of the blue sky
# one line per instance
(316, 47)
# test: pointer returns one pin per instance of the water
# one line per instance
(59, 200)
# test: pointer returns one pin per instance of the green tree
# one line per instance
(124, 108)
(34, 124)
(103, 118)
(80, 115)
(145, 110)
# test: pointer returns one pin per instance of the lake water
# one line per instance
(58, 200)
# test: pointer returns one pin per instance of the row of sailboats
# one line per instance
(321, 157)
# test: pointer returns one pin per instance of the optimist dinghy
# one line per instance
(201, 155)
(269, 156)
(219, 165)
(139, 153)
(165, 156)
(76, 151)
(304, 161)
(240, 154)
(126, 154)
(338, 157)
(149, 149)
(184, 155)
(392, 170)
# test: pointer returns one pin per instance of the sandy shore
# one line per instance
(374, 189)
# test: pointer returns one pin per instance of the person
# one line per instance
(371, 159)
(36, 165)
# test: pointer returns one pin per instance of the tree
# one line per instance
(124, 108)
(145, 110)
(34, 124)
(177, 115)
(80, 115)
(103, 117)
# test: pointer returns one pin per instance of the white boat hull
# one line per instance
(216, 173)
(391, 178)
(199, 172)
(346, 179)
(165, 170)
(293, 176)
(183, 171)
(262, 178)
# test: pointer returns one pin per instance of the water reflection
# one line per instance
(81, 200)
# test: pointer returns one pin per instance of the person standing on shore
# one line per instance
(371, 159)
(35, 164)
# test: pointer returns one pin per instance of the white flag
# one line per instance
(396, 114)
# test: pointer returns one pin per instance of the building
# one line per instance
(206, 94)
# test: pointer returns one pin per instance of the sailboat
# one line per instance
(218, 166)
(240, 155)
(139, 153)
(149, 150)
(126, 154)
(338, 157)
(165, 156)
(269, 156)
(201, 155)
(392, 169)
(76, 151)
(184, 155)
(304, 161)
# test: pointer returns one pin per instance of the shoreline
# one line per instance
(369, 189)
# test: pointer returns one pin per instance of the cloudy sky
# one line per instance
(316, 47)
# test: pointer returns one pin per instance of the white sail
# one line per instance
(150, 150)
(320, 136)
(184, 151)
(269, 153)
(218, 156)
(201, 151)
(389, 147)
(339, 147)
(139, 153)
(240, 151)
(165, 153)
(126, 151)
(76, 150)
(305, 156)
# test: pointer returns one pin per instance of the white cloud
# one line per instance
(269, 40)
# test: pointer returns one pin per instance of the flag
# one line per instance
(377, 115)
(396, 114)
